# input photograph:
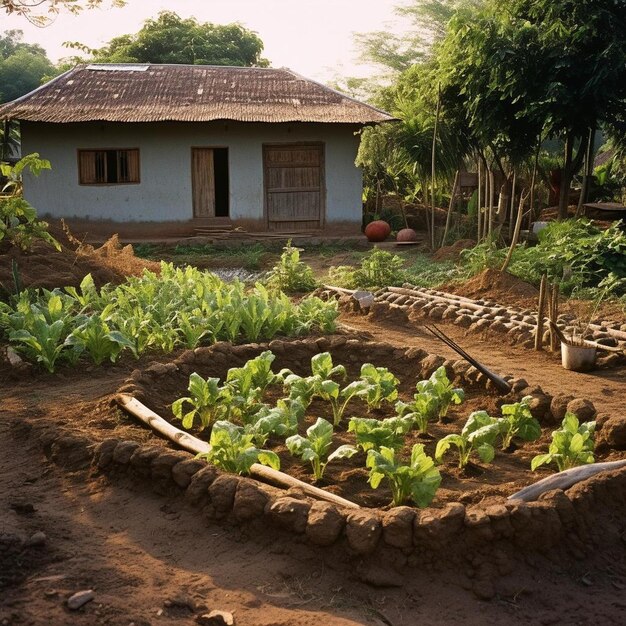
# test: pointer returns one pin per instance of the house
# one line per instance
(178, 145)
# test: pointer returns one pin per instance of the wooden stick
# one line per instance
(450, 207)
(565, 480)
(516, 232)
(479, 201)
(540, 313)
(193, 444)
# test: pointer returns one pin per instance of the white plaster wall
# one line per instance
(164, 193)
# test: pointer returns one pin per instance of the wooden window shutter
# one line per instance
(87, 167)
(132, 157)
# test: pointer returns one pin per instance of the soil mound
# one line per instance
(453, 252)
(44, 266)
(501, 287)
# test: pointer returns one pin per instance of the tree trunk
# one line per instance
(518, 227)
(450, 207)
(479, 202)
(566, 177)
(584, 192)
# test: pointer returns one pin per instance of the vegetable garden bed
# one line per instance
(470, 518)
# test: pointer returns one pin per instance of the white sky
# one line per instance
(312, 37)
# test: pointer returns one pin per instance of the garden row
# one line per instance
(241, 423)
(178, 308)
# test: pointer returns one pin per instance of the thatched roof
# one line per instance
(186, 93)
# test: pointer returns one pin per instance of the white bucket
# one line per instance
(578, 358)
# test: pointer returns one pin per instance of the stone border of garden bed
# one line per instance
(485, 540)
(519, 325)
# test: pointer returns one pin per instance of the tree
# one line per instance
(529, 68)
(172, 39)
(22, 66)
(428, 24)
(39, 11)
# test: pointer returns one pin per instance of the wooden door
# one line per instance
(294, 186)
(203, 182)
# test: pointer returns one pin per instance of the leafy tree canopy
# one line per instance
(23, 66)
(172, 39)
(39, 11)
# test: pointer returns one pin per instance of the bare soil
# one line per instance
(152, 560)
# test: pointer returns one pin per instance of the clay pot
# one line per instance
(377, 230)
(406, 234)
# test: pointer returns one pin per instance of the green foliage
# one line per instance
(432, 400)
(517, 421)
(417, 482)
(373, 434)
(181, 307)
(478, 435)
(571, 445)
(290, 274)
(19, 225)
(378, 269)
(96, 338)
(376, 385)
(233, 450)
(281, 420)
(22, 66)
(207, 401)
(424, 272)
(172, 39)
(315, 447)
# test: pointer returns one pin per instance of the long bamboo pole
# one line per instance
(512, 207)
(516, 232)
(193, 444)
(433, 168)
(450, 207)
(479, 201)
(540, 312)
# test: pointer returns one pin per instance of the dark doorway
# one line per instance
(220, 163)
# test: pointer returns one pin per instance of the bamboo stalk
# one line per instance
(433, 172)
(516, 232)
(540, 313)
(565, 480)
(512, 207)
(193, 444)
(450, 206)
(479, 200)
(492, 196)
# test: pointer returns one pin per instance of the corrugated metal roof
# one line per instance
(187, 93)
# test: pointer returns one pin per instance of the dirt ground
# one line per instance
(149, 559)
(156, 561)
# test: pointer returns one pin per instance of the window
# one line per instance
(108, 167)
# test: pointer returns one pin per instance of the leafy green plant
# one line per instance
(206, 399)
(376, 385)
(42, 341)
(321, 384)
(282, 419)
(248, 383)
(478, 435)
(375, 434)
(378, 269)
(517, 421)
(571, 445)
(417, 482)
(315, 447)
(433, 399)
(440, 387)
(233, 450)
(98, 340)
(290, 274)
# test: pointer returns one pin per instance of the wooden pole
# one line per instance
(540, 313)
(492, 197)
(193, 444)
(450, 207)
(512, 211)
(516, 232)
(479, 201)
(565, 480)
(433, 169)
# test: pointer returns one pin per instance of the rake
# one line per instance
(498, 382)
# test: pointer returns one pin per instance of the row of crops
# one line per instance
(241, 424)
(180, 308)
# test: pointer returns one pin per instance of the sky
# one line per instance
(312, 37)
